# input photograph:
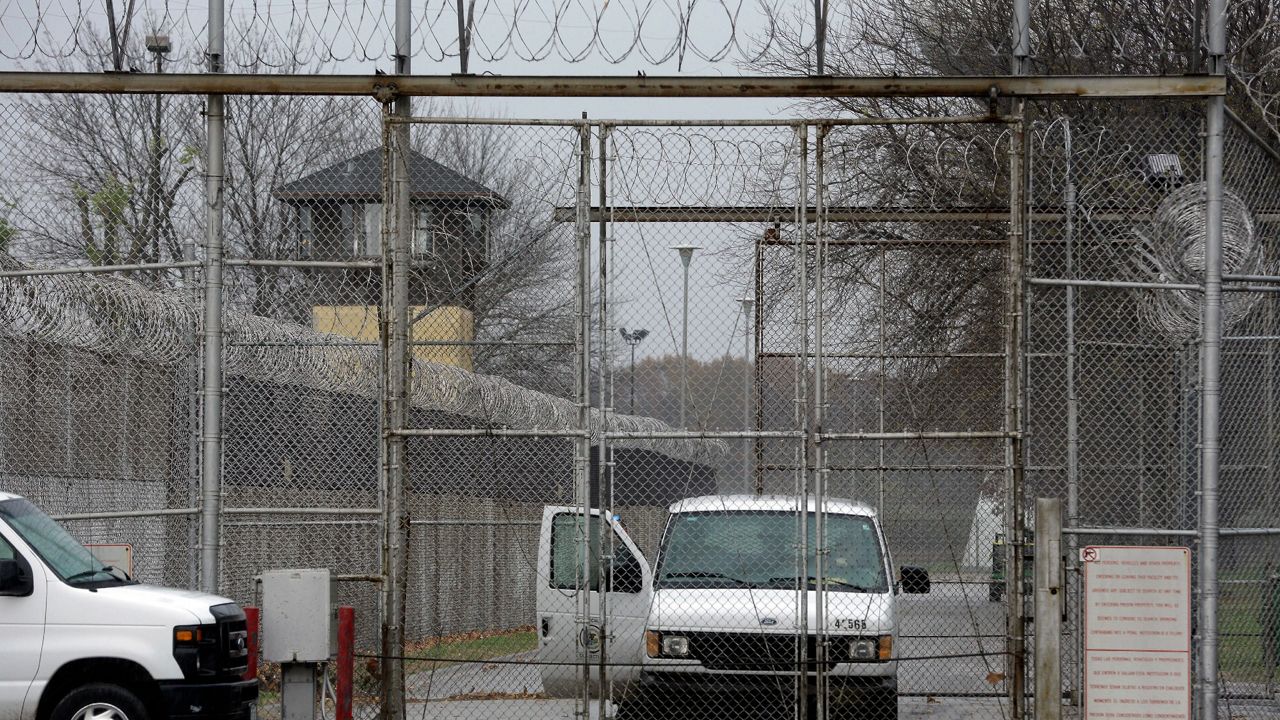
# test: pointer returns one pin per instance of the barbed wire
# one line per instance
(1172, 250)
(119, 316)
(655, 32)
(938, 166)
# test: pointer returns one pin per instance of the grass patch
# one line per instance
(483, 645)
(438, 652)
(1242, 656)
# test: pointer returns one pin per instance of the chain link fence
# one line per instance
(1116, 261)
(763, 375)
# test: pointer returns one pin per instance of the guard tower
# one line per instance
(338, 214)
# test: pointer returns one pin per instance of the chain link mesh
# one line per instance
(1113, 388)
(767, 362)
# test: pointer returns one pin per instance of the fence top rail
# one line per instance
(387, 87)
(816, 121)
(620, 123)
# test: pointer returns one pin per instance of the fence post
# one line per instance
(1271, 628)
(1210, 365)
(1049, 591)
(211, 428)
(604, 459)
(818, 413)
(582, 399)
(801, 417)
(395, 330)
(253, 624)
(1073, 412)
(345, 682)
(1020, 33)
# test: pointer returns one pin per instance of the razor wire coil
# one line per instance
(120, 316)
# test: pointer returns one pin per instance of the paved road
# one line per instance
(961, 633)
(944, 709)
(951, 642)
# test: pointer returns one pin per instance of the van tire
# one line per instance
(100, 701)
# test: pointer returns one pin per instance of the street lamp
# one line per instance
(157, 45)
(633, 339)
(747, 385)
(686, 256)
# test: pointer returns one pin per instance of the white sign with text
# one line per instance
(1137, 632)
(115, 555)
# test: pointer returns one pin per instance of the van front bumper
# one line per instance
(233, 700)
(841, 688)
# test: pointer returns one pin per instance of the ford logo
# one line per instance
(768, 621)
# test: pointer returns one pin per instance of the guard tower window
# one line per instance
(424, 235)
(369, 237)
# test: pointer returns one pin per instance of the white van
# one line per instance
(82, 641)
(718, 616)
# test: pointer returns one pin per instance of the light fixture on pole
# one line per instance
(633, 339)
(157, 45)
(686, 256)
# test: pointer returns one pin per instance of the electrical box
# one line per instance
(297, 616)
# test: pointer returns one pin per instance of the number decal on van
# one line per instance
(850, 624)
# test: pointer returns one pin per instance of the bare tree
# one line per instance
(1080, 37)
(108, 179)
(270, 141)
(522, 298)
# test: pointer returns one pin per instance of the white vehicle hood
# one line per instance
(771, 610)
(137, 605)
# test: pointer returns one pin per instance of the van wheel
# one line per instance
(100, 701)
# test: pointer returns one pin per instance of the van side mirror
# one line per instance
(15, 579)
(627, 575)
(915, 580)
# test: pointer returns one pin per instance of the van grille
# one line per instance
(759, 651)
(233, 639)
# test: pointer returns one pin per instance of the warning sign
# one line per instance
(1137, 625)
(118, 556)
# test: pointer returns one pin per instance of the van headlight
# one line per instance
(658, 644)
(195, 648)
(862, 650)
(675, 646)
(871, 649)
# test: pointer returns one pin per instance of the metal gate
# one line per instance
(788, 456)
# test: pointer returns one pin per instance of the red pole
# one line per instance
(346, 661)
(252, 619)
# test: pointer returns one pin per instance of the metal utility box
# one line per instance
(297, 616)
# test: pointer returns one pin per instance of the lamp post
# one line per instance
(686, 256)
(157, 45)
(633, 339)
(748, 303)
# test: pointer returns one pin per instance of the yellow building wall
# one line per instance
(445, 324)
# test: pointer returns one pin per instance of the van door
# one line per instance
(22, 619)
(565, 641)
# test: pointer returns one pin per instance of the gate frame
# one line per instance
(812, 473)
(1211, 88)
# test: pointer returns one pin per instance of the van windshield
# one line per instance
(66, 557)
(758, 550)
